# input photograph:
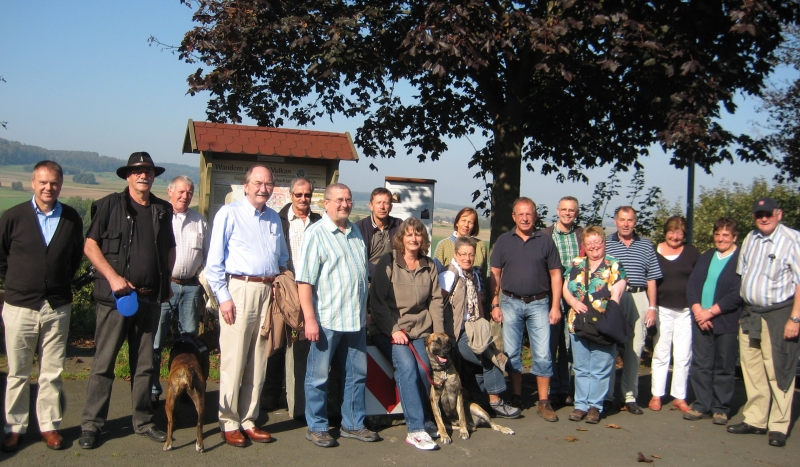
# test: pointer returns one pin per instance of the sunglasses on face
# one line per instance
(760, 214)
(302, 195)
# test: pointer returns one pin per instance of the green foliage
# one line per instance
(84, 208)
(86, 178)
(17, 186)
(736, 201)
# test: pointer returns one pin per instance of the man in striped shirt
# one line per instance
(638, 257)
(331, 275)
(768, 347)
(191, 248)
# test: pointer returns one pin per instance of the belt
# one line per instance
(633, 289)
(146, 293)
(529, 298)
(189, 281)
(260, 279)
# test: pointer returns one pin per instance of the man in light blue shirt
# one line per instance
(247, 251)
(332, 285)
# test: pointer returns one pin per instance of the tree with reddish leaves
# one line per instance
(553, 86)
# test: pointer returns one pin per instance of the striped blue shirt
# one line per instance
(244, 242)
(639, 259)
(335, 264)
(48, 223)
(770, 266)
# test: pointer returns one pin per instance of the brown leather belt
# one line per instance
(632, 289)
(529, 298)
(260, 279)
(189, 281)
(146, 293)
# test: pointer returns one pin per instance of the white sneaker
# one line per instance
(421, 440)
(432, 430)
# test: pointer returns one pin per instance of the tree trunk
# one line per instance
(506, 175)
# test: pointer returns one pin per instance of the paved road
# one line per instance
(665, 434)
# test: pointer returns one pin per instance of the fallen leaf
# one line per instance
(572, 439)
(614, 426)
(655, 456)
(581, 429)
(644, 459)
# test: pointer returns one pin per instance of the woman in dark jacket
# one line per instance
(713, 295)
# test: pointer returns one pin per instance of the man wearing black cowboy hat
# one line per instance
(120, 244)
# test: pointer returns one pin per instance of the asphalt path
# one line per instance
(675, 442)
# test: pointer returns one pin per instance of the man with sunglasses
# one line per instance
(131, 244)
(247, 252)
(295, 218)
(769, 264)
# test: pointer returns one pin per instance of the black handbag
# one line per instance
(606, 328)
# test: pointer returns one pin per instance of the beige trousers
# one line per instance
(758, 373)
(28, 332)
(632, 353)
(243, 356)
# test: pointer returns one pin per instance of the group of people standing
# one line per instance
(375, 277)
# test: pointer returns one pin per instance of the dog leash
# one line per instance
(428, 372)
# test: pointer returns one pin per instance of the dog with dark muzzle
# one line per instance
(188, 372)
(448, 396)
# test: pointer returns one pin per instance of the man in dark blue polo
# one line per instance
(526, 265)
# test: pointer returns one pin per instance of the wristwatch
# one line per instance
(495, 305)
(795, 319)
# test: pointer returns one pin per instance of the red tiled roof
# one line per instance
(264, 141)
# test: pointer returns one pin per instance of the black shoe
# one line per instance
(155, 434)
(87, 439)
(745, 429)
(608, 406)
(516, 401)
(633, 408)
(777, 439)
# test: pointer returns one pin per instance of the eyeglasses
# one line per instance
(760, 214)
(262, 185)
(466, 255)
(341, 200)
(593, 244)
(302, 195)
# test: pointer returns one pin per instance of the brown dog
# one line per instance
(188, 372)
(447, 395)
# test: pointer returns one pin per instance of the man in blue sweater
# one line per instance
(41, 245)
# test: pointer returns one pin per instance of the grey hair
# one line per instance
(181, 178)
(298, 180)
(250, 173)
(465, 241)
(336, 186)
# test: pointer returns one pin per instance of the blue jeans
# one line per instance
(535, 316)
(560, 353)
(593, 364)
(411, 378)
(351, 348)
(490, 380)
(184, 301)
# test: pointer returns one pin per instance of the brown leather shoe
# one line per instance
(234, 438)
(545, 409)
(258, 436)
(11, 442)
(593, 415)
(53, 439)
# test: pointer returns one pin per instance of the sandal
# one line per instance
(655, 403)
(681, 405)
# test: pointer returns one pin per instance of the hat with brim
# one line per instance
(139, 159)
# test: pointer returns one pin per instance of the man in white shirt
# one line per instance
(191, 246)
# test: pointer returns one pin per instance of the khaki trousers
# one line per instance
(28, 332)
(758, 373)
(632, 352)
(243, 356)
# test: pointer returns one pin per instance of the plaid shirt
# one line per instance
(567, 244)
(191, 243)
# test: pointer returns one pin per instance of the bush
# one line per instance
(17, 186)
(86, 178)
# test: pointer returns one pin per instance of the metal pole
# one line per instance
(690, 202)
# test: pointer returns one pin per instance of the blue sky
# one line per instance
(80, 75)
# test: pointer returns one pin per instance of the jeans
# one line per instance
(490, 379)
(412, 380)
(351, 348)
(535, 317)
(593, 364)
(560, 353)
(184, 301)
(713, 370)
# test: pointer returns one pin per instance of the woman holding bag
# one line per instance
(460, 281)
(406, 302)
(592, 279)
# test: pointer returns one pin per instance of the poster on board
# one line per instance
(227, 179)
(412, 197)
